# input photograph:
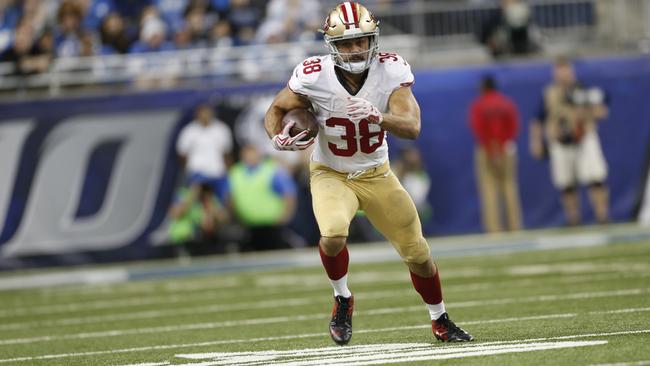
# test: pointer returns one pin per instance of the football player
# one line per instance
(357, 95)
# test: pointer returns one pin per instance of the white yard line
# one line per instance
(292, 337)
(208, 309)
(140, 301)
(362, 278)
(89, 277)
(577, 267)
(152, 314)
(620, 311)
(272, 320)
(627, 363)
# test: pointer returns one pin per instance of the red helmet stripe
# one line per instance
(355, 13)
(343, 11)
(347, 8)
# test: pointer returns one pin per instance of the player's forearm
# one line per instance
(400, 126)
(273, 120)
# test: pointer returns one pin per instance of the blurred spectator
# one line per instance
(183, 40)
(510, 31)
(28, 57)
(205, 146)
(196, 217)
(409, 169)
(172, 12)
(495, 123)
(244, 18)
(45, 44)
(114, 37)
(132, 8)
(221, 6)
(221, 34)
(36, 12)
(155, 72)
(290, 20)
(94, 11)
(198, 23)
(221, 62)
(567, 120)
(153, 33)
(68, 33)
(9, 13)
(263, 199)
(88, 45)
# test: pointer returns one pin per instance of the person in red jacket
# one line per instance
(494, 122)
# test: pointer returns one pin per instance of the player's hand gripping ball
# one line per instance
(298, 132)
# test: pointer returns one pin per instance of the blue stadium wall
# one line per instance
(90, 179)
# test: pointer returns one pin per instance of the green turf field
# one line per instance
(586, 306)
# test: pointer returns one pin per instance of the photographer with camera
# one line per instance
(566, 130)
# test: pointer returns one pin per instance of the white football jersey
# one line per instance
(344, 145)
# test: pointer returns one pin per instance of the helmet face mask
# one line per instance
(350, 21)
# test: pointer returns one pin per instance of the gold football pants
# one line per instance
(380, 195)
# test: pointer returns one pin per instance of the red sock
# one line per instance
(428, 287)
(337, 266)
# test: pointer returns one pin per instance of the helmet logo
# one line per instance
(327, 24)
(350, 15)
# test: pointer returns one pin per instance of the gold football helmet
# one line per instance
(351, 20)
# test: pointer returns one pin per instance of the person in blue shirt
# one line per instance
(94, 11)
(115, 39)
(153, 34)
(171, 12)
(67, 37)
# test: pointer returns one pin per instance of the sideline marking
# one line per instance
(371, 354)
(271, 320)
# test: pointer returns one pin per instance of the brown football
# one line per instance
(304, 120)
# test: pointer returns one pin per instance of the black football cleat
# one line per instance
(445, 330)
(341, 323)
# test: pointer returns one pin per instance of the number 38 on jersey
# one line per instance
(347, 145)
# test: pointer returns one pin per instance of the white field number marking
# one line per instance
(298, 336)
(370, 354)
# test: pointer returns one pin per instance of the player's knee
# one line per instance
(332, 245)
(334, 227)
(416, 252)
